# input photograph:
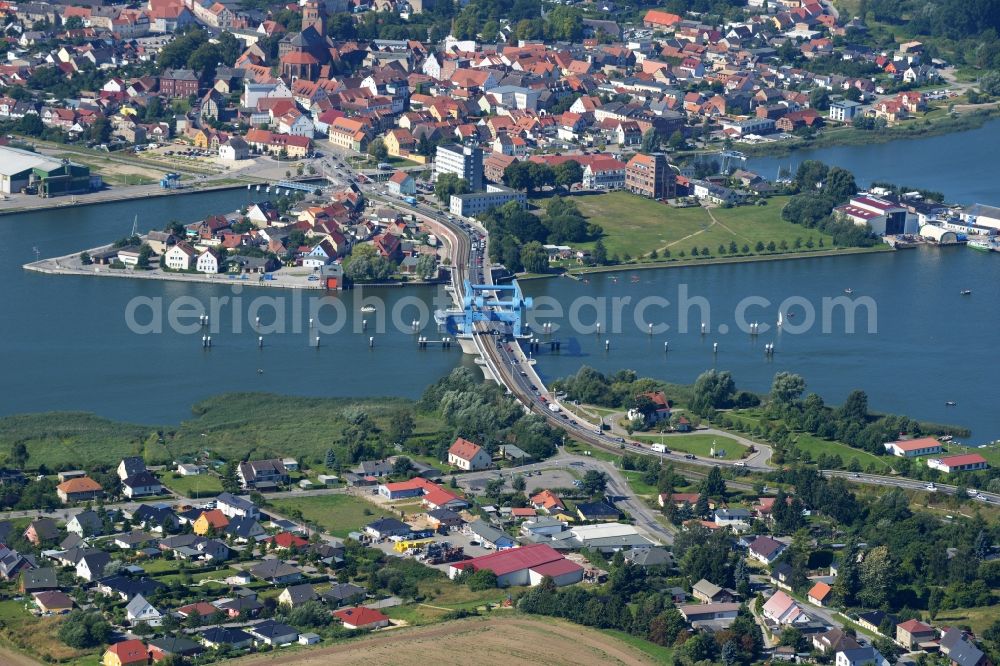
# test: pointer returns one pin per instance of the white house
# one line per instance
(233, 506)
(209, 262)
(234, 149)
(180, 257)
(468, 456)
(965, 462)
(139, 610)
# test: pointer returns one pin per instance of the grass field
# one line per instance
(202, 485)
(38, 636)
(337, 514)
(700, 445)
(979, 618)
(232, 426)
(635, 226)
(502, 637)
(815, 446)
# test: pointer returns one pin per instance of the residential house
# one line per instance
(209, 261)
(833, 641)
(719, 615)
(765, 549)
(180, 257)
(91, 566)
(402, 184)
(710, 593)
(957, 645)
(212, 520)
(276, 572)
(218, 637)
(41, 530)
(53, 602)
(860, 656)
(126, 653)
(173, 646)
(38, 580)
(360, 617)
(273, 633)
(819, 594)
(86, 523)
(913, 633)
(737, 519)
(130, 466)
(233, 506)
(296, 595)
(341, 594)
(80, 489)
(547, 501)
(784, 610)
(141, 484)
(262, 474)
(489, 536)
(140, 611)
(467, 456)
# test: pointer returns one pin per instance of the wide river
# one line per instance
(955, 164)
(67, 345)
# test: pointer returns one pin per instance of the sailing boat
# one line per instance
(780, 320)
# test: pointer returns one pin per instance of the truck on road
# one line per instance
(660, 448)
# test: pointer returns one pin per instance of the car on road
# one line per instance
(972, 492)
(739, 464)
(931, 488)
(690, 456)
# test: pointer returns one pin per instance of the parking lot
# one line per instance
(455, 538)
(534, 480)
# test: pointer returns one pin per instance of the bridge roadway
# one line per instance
(511, 367)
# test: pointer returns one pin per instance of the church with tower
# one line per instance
(306, 54)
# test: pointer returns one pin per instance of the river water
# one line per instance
(960, 165)
(65, 344)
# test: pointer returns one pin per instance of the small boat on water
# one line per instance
(950, 403)
(790, 315)
(368, 308)
(965, 292)
(780, 320)
(848, 291)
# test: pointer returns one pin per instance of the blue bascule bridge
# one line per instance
(497, 304)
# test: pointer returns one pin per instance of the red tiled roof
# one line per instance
(819, 591)
(917, 444)
(556, 568)
(513, 559)
(360, 616)
(464, 449)
(963, 459)
(82, 484)
(287, 540)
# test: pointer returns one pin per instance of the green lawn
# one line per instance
(231, 426)
(635, 225)
(978, 618)
(815, 446)
(337, 514)
(638, 485)
(700, 445)
(662, 655)
(202, 485)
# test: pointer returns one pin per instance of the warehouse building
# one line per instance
(23, 169)
(523, 566)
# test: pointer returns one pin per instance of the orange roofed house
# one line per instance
(468, 456)
(658, 19)
(548, 502)
(126, 653)
(80, 489)
(209, 520)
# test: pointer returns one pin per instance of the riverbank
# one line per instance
(686, 263)
(70, 265)
(848, 136)
(31, 204)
